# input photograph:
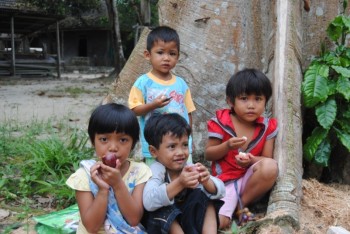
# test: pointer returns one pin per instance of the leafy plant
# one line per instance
(65, 7)
(37, 161)
(326, 92)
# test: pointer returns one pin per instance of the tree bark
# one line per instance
(145, 9)
(135, 66)
(119, 59)
(287, 77)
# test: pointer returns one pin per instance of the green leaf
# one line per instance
(344, 138)
(342, 70)
(234, 228)
(346, 113)
(343, 87)
(346, 21)
(335, 28)
(331, 58)
(313, 142)
(344, 123)
(315, 86)
(323, 153)
(344, 62)
(347, 52)
(340, 50)
(332, 87)
(326, 113)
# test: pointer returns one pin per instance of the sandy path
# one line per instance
(26, 99)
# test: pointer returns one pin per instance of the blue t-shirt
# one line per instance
(148, 87)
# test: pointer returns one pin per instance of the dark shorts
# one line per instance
(190, 214)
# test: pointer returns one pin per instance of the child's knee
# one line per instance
(270, 168)
(224, 222)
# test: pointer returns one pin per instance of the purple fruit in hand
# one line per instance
(110, 160)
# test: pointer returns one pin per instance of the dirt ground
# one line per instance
(27, 99)
(72, 99)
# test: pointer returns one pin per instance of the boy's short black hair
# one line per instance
(158, 125)
(113, 117)
(248, 81)
(162, 33)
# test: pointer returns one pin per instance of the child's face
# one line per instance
(118, 143)
(163, 57)
(172, 152)
(248, 107)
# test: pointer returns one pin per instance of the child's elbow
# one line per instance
(92, 229)
(134, 221)
(207, 156)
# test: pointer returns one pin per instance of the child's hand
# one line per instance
(189, 177)
(204, 174)
(109, 174)
(162, 100)
(236, 142)
(244, 159)
(96, 176)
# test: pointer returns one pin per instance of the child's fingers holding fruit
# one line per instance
(236, 142)
(243, 159)
(110, 159)
(242, 156)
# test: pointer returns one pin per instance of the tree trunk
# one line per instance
(218, 38)
(287, 77)
(119, 58)
(145, 9)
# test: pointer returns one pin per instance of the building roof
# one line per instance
(27, 19)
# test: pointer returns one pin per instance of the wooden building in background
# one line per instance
(46, 44)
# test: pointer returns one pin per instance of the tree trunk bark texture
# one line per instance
(145, 10)
(119, 58)
(218, 38)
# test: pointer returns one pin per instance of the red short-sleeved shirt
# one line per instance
(221, 127)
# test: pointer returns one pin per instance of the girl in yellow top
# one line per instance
(110, 199)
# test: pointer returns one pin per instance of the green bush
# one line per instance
(37, 160)
(326, 92)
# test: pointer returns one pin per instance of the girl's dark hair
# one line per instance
(113, 117)
(159, 125)
(248, 81)
(162, 33)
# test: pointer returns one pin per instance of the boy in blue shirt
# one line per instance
(159, 90)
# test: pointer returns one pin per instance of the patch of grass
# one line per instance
(37, 159)
(76, 91)
(68, 91)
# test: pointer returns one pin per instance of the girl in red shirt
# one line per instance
(241, 143)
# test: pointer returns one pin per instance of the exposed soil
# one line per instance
(25, 99)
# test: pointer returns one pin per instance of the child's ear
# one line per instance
(153, 151)
(228, 101)
(146, 54)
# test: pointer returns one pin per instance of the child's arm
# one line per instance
(204, 178)
(248, 159)
(216, 148)
(190, 119)
(214, 188)
(268, 148)
(158, 102)
(130, 205)
(158, 194)
(93, 209)
(189, 178)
